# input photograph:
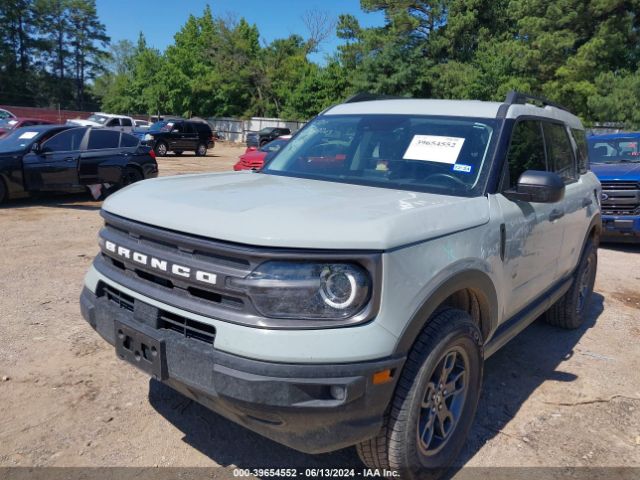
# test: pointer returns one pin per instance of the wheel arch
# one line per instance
(471, 290)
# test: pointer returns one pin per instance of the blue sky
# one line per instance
(159, 20)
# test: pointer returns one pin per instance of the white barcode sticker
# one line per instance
(432, 148)
(27, 135)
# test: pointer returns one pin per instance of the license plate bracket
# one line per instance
(142, 350)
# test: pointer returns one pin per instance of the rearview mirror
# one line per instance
(537, 187)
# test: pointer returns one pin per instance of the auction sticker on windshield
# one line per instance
(432, 148)
(27, 135)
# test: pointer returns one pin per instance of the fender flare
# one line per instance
(477, 281)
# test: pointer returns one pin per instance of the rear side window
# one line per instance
(126, 122)
(202, 127)
(526, 151)
(559, 151)
(581, 149)
(129, 141)
(66, 141)
(103, 139)
(114, 122)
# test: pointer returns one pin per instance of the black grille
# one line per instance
(188, 328)
(620, 185)
(166, 320)
(116, 296)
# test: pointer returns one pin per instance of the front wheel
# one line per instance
(435, 400)
(201, 151)
(161, 149)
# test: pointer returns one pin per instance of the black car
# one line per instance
(178, 136)
(63, 158)
(266, 135)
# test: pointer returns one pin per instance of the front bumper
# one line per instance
(311, 408)
(621, 228)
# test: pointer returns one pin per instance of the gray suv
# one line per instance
(350, 292)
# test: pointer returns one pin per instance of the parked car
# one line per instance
(255, 159)
(266, 135)
(178, 136)
(106, 120)
(6, 114)
(354, 300)
(9, 124)
(615, 159)
(141, 124)
(63, 158)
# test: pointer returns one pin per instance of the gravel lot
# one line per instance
(551, 397)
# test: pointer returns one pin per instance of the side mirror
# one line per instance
(35, 148)
(537, 187)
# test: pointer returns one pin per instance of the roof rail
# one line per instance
(514, 97)
(365, 97)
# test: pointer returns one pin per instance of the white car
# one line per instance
(142, 124)
(106, 120)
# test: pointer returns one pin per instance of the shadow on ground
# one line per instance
(511, 376)
(75, 201)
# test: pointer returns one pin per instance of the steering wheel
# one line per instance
(448, 177)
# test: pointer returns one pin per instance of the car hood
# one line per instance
(617, 171)
(278, 211)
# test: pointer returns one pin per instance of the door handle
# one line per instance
(556, 214)
(69, 159)
(586, 202)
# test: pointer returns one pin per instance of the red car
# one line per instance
(253, 159)
(9, 124)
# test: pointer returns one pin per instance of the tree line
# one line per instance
(50, 50)
(580, 53)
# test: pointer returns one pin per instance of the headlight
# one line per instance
(308, 290)
(148, 137)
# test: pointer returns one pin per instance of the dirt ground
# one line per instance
(551, 397)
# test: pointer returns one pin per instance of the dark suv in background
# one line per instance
(178, 136)
(266, 135)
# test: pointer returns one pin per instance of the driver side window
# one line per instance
(66, 141)
(526, 151)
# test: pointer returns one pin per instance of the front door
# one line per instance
(175, 137)
(55, 166)
(533, 231)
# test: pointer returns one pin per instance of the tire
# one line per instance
(450, 344)
(3, 192)
(570, 311)
(161, 149)
(131, 175)
(263, 143)
(201, 151)
(177, 153)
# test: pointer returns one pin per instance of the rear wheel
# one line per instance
(201, 151)
(571, 310)
(131, 175)
(435, 401)
(161, 149)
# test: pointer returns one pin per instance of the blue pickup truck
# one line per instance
(615, 159)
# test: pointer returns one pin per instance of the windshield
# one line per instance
(101, 119)
(273, 146)
(163, 126)
(8, 123)
(421, 153)
(19, 139)
(614, 151)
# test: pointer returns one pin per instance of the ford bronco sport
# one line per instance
(349, 293)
